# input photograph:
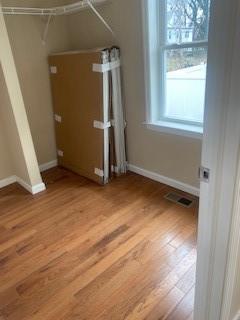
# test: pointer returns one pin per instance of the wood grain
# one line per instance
(83, 251)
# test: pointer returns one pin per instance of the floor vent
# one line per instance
(177, 198)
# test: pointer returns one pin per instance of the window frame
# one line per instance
(155, 45)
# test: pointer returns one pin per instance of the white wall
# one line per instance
(6, 166)
(15, 118)
(232, 285)
(172, 156)
(12, 162)
(31, 56)
(236, 296)
(32, 65)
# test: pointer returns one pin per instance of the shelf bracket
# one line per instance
(45, 33)
(100, 17)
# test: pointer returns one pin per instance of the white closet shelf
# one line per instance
(55, 11)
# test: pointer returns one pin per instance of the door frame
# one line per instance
(220, 153)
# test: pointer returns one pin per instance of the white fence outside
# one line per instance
(185, 93)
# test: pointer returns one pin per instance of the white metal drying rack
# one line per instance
(57, 11)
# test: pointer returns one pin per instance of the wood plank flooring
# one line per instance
(79, 251)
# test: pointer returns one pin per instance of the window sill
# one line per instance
(179, 129)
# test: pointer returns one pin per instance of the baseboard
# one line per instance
(38, 188)
(32, 189)
(5, 182)
(149, 174)
(45, 166)
(165, 180)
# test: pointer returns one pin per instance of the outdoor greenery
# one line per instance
(188, 15)
(184, 58)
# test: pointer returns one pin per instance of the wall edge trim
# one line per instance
(7, 181)
(165, 180)
(32, 189)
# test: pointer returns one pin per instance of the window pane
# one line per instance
(187, 20)
(185, 84)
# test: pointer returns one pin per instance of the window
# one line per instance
(176, 66)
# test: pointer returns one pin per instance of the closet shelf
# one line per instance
(55, 11)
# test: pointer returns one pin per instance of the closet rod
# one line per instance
(55, 11)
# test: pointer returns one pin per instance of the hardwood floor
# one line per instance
(82, 251)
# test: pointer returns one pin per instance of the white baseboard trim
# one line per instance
(24, 184)
(38, 188)
(32, 189)
(237, 316)
(45, 166)
(165, 180)
(5, 182)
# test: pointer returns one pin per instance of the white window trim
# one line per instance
(151, 78)
(179, 129)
